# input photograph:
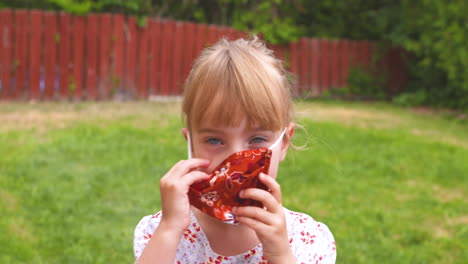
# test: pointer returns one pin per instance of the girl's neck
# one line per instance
(226, 239)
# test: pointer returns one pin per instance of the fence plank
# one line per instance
(325, 65)
(64, 54)
(401, 67)
(314, 46)
(231, 34)
(50, 55)
(189, 41)
(20, 60)
(91, 51)
(130, 55)
(224, 32)
(6, 48)
(344, 63)
(212, 35)
(308, 57)
(293, 64)
(303, 66)
(105, 31)
(35, 49)
(118, 52)
(313, 55)
(178, 58)
(234, 33)
(395, 70)
(356, 55)
(220, 33)
(201, 36)
(166, 51)
(243, 34)
(155, 61)
(142, 55)
(78, 56)
(334, 64)
(365, 54)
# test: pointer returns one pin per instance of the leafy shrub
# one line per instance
(436, 32)
(411, 98)
(363, 84)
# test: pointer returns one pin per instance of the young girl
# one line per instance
(236, 98)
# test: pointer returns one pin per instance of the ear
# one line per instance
(287, 139)
(184, 132)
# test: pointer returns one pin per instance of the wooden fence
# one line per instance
(56, 56)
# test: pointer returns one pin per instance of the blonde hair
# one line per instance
(236, 79)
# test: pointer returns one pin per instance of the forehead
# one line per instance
(210, 127)
(231, 117)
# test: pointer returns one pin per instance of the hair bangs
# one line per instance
(229, 111)
(234, 82)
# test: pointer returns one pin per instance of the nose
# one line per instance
(236, 146)
(233, 147)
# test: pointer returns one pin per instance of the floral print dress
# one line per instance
(311, 242)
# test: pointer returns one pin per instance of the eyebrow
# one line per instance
(219, 131)
(210, 130)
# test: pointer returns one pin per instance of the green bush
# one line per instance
(436, 33)
(363, 84)
(411, 98)
(83, 7)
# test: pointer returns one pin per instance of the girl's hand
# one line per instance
(174, 187)
(270, 223)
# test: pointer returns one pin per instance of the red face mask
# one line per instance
(217, 195)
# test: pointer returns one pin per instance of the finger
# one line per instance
(254, 212)
(175, 183)
(184, 166)
(272, 184)
(194, 176)
(259, 227)
(260, 195)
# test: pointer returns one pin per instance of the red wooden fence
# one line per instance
(47, 55)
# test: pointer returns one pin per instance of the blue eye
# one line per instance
(214, 141)
(257, 140)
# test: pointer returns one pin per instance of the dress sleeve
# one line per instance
(313, 243)
(143, 232)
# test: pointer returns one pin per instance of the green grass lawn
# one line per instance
(75, 179)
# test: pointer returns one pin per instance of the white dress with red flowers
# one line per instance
(311, 242)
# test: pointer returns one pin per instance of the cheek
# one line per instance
(214, 163)
(215, 160)
(275, 159)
